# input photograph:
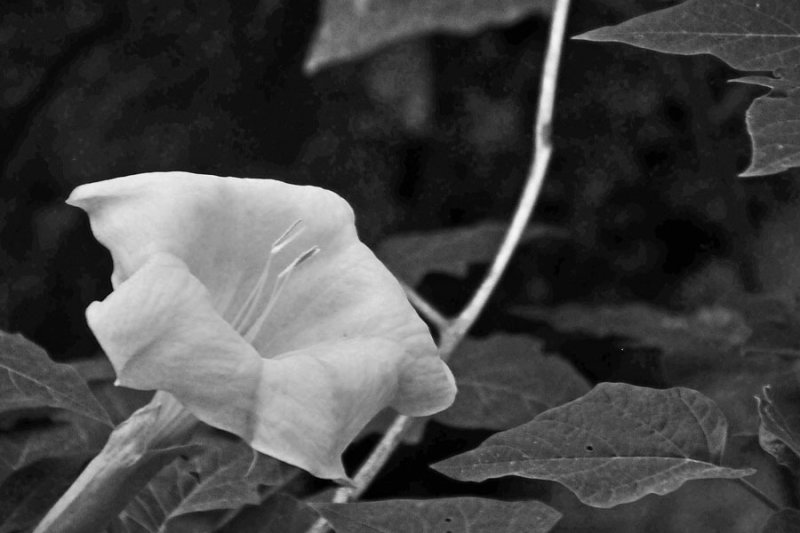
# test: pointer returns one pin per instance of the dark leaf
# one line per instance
(711, 330)
(280, 513)
(751, 35)
(614, 445)
(701, 350)
(226, 475)
(413, 255)
(27, 495)
(454, 515)
(784, 521)
(506, 380)
(29, 378)
(21, 448)
(779, 431)
(352, 28)
(772, 123)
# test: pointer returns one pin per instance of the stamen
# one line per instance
(280, 283)
(249, 307)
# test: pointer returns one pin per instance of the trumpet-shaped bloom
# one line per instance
(255, 305)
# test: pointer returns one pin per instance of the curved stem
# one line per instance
(755, 491)
(454, 332)
(135, 452)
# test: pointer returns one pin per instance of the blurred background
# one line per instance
(424, 134)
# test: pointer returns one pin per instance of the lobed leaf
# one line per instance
(29, 378)
(751, 35)
(476, 515)
(226, 475)
(352, 28)
(614, 445)
(506, 380)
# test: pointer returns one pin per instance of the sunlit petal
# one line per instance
(161, 331)
(223, 228)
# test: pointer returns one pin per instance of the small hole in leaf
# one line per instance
(589, 448)
(448, 519)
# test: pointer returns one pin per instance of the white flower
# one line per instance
(255, 305)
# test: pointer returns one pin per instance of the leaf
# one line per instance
(28, 378)
(713, 330)
(779, 431)
(701, 350)
(475, 515)
(614, 445)
(506, 380)
(784, 521)
(226, 475)
(352, 28)
(27, 495)
(21, 448)
(772, 123)
(280, 513)
(751, 35)
(411, 256)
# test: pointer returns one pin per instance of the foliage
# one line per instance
(613, 445)
(452, 514)
(353, 28)
(30, 379)
(750, 35)
(647, 262)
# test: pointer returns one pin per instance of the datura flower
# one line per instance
(254, 303)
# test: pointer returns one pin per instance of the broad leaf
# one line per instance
(27, 495)
(751, 35)
(784, 521)
(701, 350)
(713, 330)
(280, 513)
(476, 515)
(352, 28)
(614, 445)
(226, 475)
(779, 432)
(411, 256)
(21, 448)
(506, 380)
(28, 378)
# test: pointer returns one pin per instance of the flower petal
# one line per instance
(160, 330)
(227, 229)
(223, 228)
(347, 293)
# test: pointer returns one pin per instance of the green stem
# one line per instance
(135, 452)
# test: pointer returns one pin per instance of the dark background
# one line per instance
(429, 133)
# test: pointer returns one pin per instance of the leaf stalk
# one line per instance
(454, 331)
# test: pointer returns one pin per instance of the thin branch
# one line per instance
(543, 150)
(425, 309)
(457, 329)
(755, 491)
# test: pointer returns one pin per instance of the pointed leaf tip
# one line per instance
(614, 445)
